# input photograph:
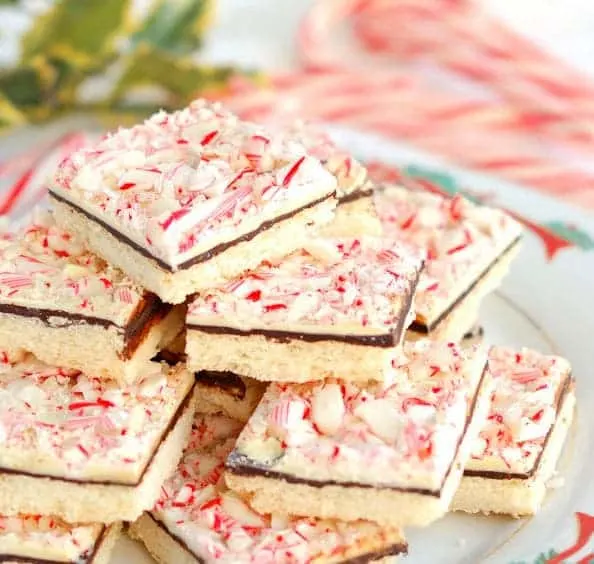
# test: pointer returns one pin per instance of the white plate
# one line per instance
(546, 303)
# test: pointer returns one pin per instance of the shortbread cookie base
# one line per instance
(166, 549)
(514, 496)
(173, 287)
(385, 506)
(91, 348)
(87, 502)
(269, 360)
(354, 218)
(465, 314)
(211, 400)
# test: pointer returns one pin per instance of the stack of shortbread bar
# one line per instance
(227, 338)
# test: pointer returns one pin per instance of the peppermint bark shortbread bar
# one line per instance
(518, 448)
(38, 539)
(391, 452)
(189, 199)
(68, 307)
(86, 449)
(469, 250)
(198, 520)
(336, 306)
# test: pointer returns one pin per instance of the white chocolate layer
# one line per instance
(342, 286)
(461, 239)
(60, 422)
(212, 524)
(181, 184)
(401, 433)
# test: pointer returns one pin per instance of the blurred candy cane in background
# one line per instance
(530, 118)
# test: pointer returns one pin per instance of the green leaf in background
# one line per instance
(28, 85)
(9, 115)
(179, 77)
(175, 26)
(80, 32)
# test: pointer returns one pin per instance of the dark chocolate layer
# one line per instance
(423, 328)
(563, 391)
(150, 310)
(368, 557)
(85, 558)
(385, 340)
(178, 413)
(203, 257)
(230, 382)
(241, 465)
(354, 196)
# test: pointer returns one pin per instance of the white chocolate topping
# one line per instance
(350, 173)
(402, 432)
(60, 422)
(180, 184)
(523, 409)
(461, 239)
(358, 286)
(218, 526)
(42, 266)
(47, 538)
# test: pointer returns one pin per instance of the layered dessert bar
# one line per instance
(189, 199)
(469, 249)
(198, 520)
(392, 452)
(68, 307)
(86, 449)
(228, 393)
(336, 306)
(518, 448)
(37, 539)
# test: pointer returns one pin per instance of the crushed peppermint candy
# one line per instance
(363, 284)
(461, 239)
(179, 184)
(62, 422)
(24, 535)
(527, 387)
(43, 266)
(350, 173)
(219, 527)
(401, 432)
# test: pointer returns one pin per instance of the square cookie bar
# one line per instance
(518, 448)
(469, 250)
(391, 452)
(37, 539)
(68, 307)
(198, 520)
(189, 199)
(337, 306)
(86, 449)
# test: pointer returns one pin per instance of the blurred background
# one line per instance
(506, 88)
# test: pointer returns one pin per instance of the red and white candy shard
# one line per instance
(43, 266)
(357, 285)
(39, 534)
(181, 183)
(350, 173)
(523, 409)
(402, 432)
(461, 239)
(61, 421)
(218, 526)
